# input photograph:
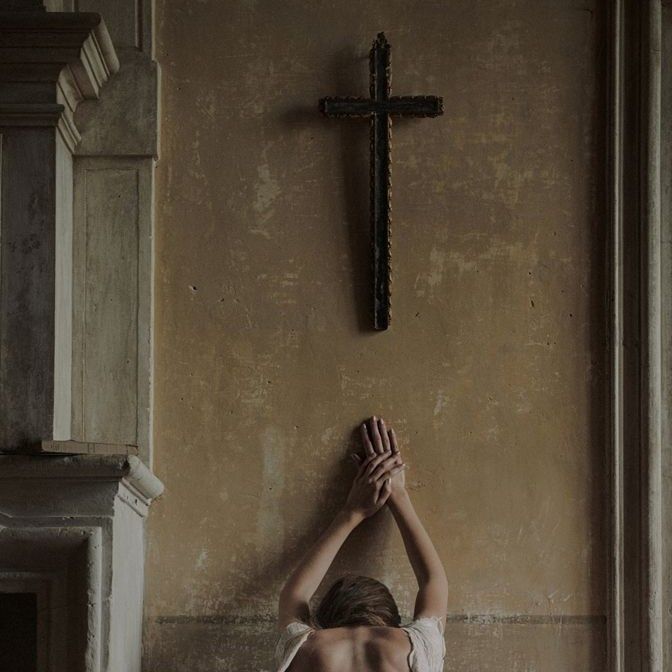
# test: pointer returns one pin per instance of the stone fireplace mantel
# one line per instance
(72, 533)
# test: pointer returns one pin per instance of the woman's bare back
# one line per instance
(361, 648)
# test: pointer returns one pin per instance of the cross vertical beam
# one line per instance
(379, 108)
(381, 182)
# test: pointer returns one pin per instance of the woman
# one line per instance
(356, 627)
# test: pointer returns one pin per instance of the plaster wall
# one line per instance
(492, 372)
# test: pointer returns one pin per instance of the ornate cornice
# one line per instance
(49, 63)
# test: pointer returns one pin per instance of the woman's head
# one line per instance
(357, 600)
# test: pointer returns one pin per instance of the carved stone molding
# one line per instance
(640, 251)
(127, 469)
(49, 63)
(85, 192)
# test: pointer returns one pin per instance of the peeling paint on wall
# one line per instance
(271, 514)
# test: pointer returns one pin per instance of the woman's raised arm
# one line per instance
(369, 492)
(432, 597)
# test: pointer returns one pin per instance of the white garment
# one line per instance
(428, 648)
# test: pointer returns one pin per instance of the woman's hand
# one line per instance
(378, 439)
(372, 485)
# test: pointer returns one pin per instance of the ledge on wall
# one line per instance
(126, 468)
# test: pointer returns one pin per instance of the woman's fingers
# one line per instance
(383, 435)
(393, 441)
(366, 441)
(393, 472)
(380, 468)
(375, 436)
(384, 492)
(381, 450)
(371, 463)
(366, 464)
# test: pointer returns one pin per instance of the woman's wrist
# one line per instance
(350, 517)
(398, 499)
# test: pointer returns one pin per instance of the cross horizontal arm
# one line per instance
(407, 106)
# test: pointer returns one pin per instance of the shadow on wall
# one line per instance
(347, 67)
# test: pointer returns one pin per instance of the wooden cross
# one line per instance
(379, 108)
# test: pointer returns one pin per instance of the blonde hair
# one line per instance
(357, 600)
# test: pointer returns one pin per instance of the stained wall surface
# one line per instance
(492, 371)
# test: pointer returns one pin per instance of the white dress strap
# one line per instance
(428, 647)
(289, 642)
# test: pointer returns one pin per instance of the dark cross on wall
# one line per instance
(379, 108)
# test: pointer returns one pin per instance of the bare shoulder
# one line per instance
(369, 649)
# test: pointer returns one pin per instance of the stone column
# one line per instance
(49, 63)
(113, 242)
(76, 227)
(640, 245)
